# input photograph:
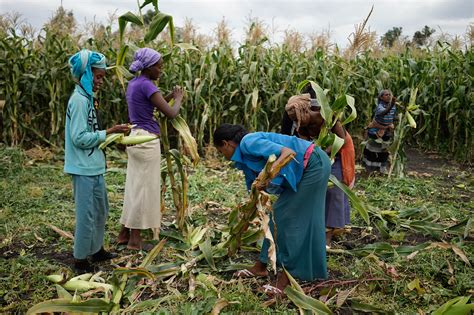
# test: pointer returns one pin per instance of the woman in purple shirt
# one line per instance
(141, 206)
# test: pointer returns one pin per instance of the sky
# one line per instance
(304, 16)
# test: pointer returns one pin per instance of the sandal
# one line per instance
(125, 242)
(245, 273)
(272, 291)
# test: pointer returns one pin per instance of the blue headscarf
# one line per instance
(81, 65)
(144, 58)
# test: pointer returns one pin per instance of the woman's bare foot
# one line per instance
(135, 241)
(259, 269)
(282, 281)
(277, 290)
(124, 236)
(329, 232)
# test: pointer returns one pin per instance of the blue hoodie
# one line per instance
(82, 137)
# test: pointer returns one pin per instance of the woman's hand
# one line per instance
(178, 92)
(284, 153)
(123, 128)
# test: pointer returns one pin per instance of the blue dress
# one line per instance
(299, 212)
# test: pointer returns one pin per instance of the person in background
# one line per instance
(302, 118)
(141, 206)
(298, 212)
(379, 133)
(85, 162)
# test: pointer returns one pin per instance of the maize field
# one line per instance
(249, 84)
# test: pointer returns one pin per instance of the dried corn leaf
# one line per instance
(219, 306)
(269, 237)
(343, 295)
(61, 232)
(188, 140)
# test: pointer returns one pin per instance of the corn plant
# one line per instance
(249, 84)
(405, 121)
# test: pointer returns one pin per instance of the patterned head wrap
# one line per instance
(144, 58)
(81, 65)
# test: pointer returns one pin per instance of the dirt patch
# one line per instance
(40, 252)
(429, 162)
(44, 252)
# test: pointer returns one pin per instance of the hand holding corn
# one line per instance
(122, 128)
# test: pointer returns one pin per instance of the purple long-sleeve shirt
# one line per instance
(140, 107)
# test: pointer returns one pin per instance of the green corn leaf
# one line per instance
(65, 305)
(326, 110)
(160, 20)
(294, 284)
(122, 73)
(306, 302)
(153, 254)
(358, 306)
(413, 93)
(148, 305)
(251, 236)
(121, 55)
(124, 19)
(460, 310)
(356, 202)
(196, 235)
(336, 146)
(147, 2)
(353, 115)
(165, 270)
(206, 248)
(339, 104)
(187, 46)
(381, 225)
(134, 271)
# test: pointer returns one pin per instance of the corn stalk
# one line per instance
(242, 215)
(179, 192)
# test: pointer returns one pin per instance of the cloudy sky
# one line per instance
(305, 16)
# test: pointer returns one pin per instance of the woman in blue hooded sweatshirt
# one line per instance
(85, 162)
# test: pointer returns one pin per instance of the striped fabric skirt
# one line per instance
(376, 155)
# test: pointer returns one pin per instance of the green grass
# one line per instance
(35, 193)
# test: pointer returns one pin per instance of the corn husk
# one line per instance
(127, 140)
(55, 278)
(411, 121)
(83, 285)
(136, 139)
(109, 139)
